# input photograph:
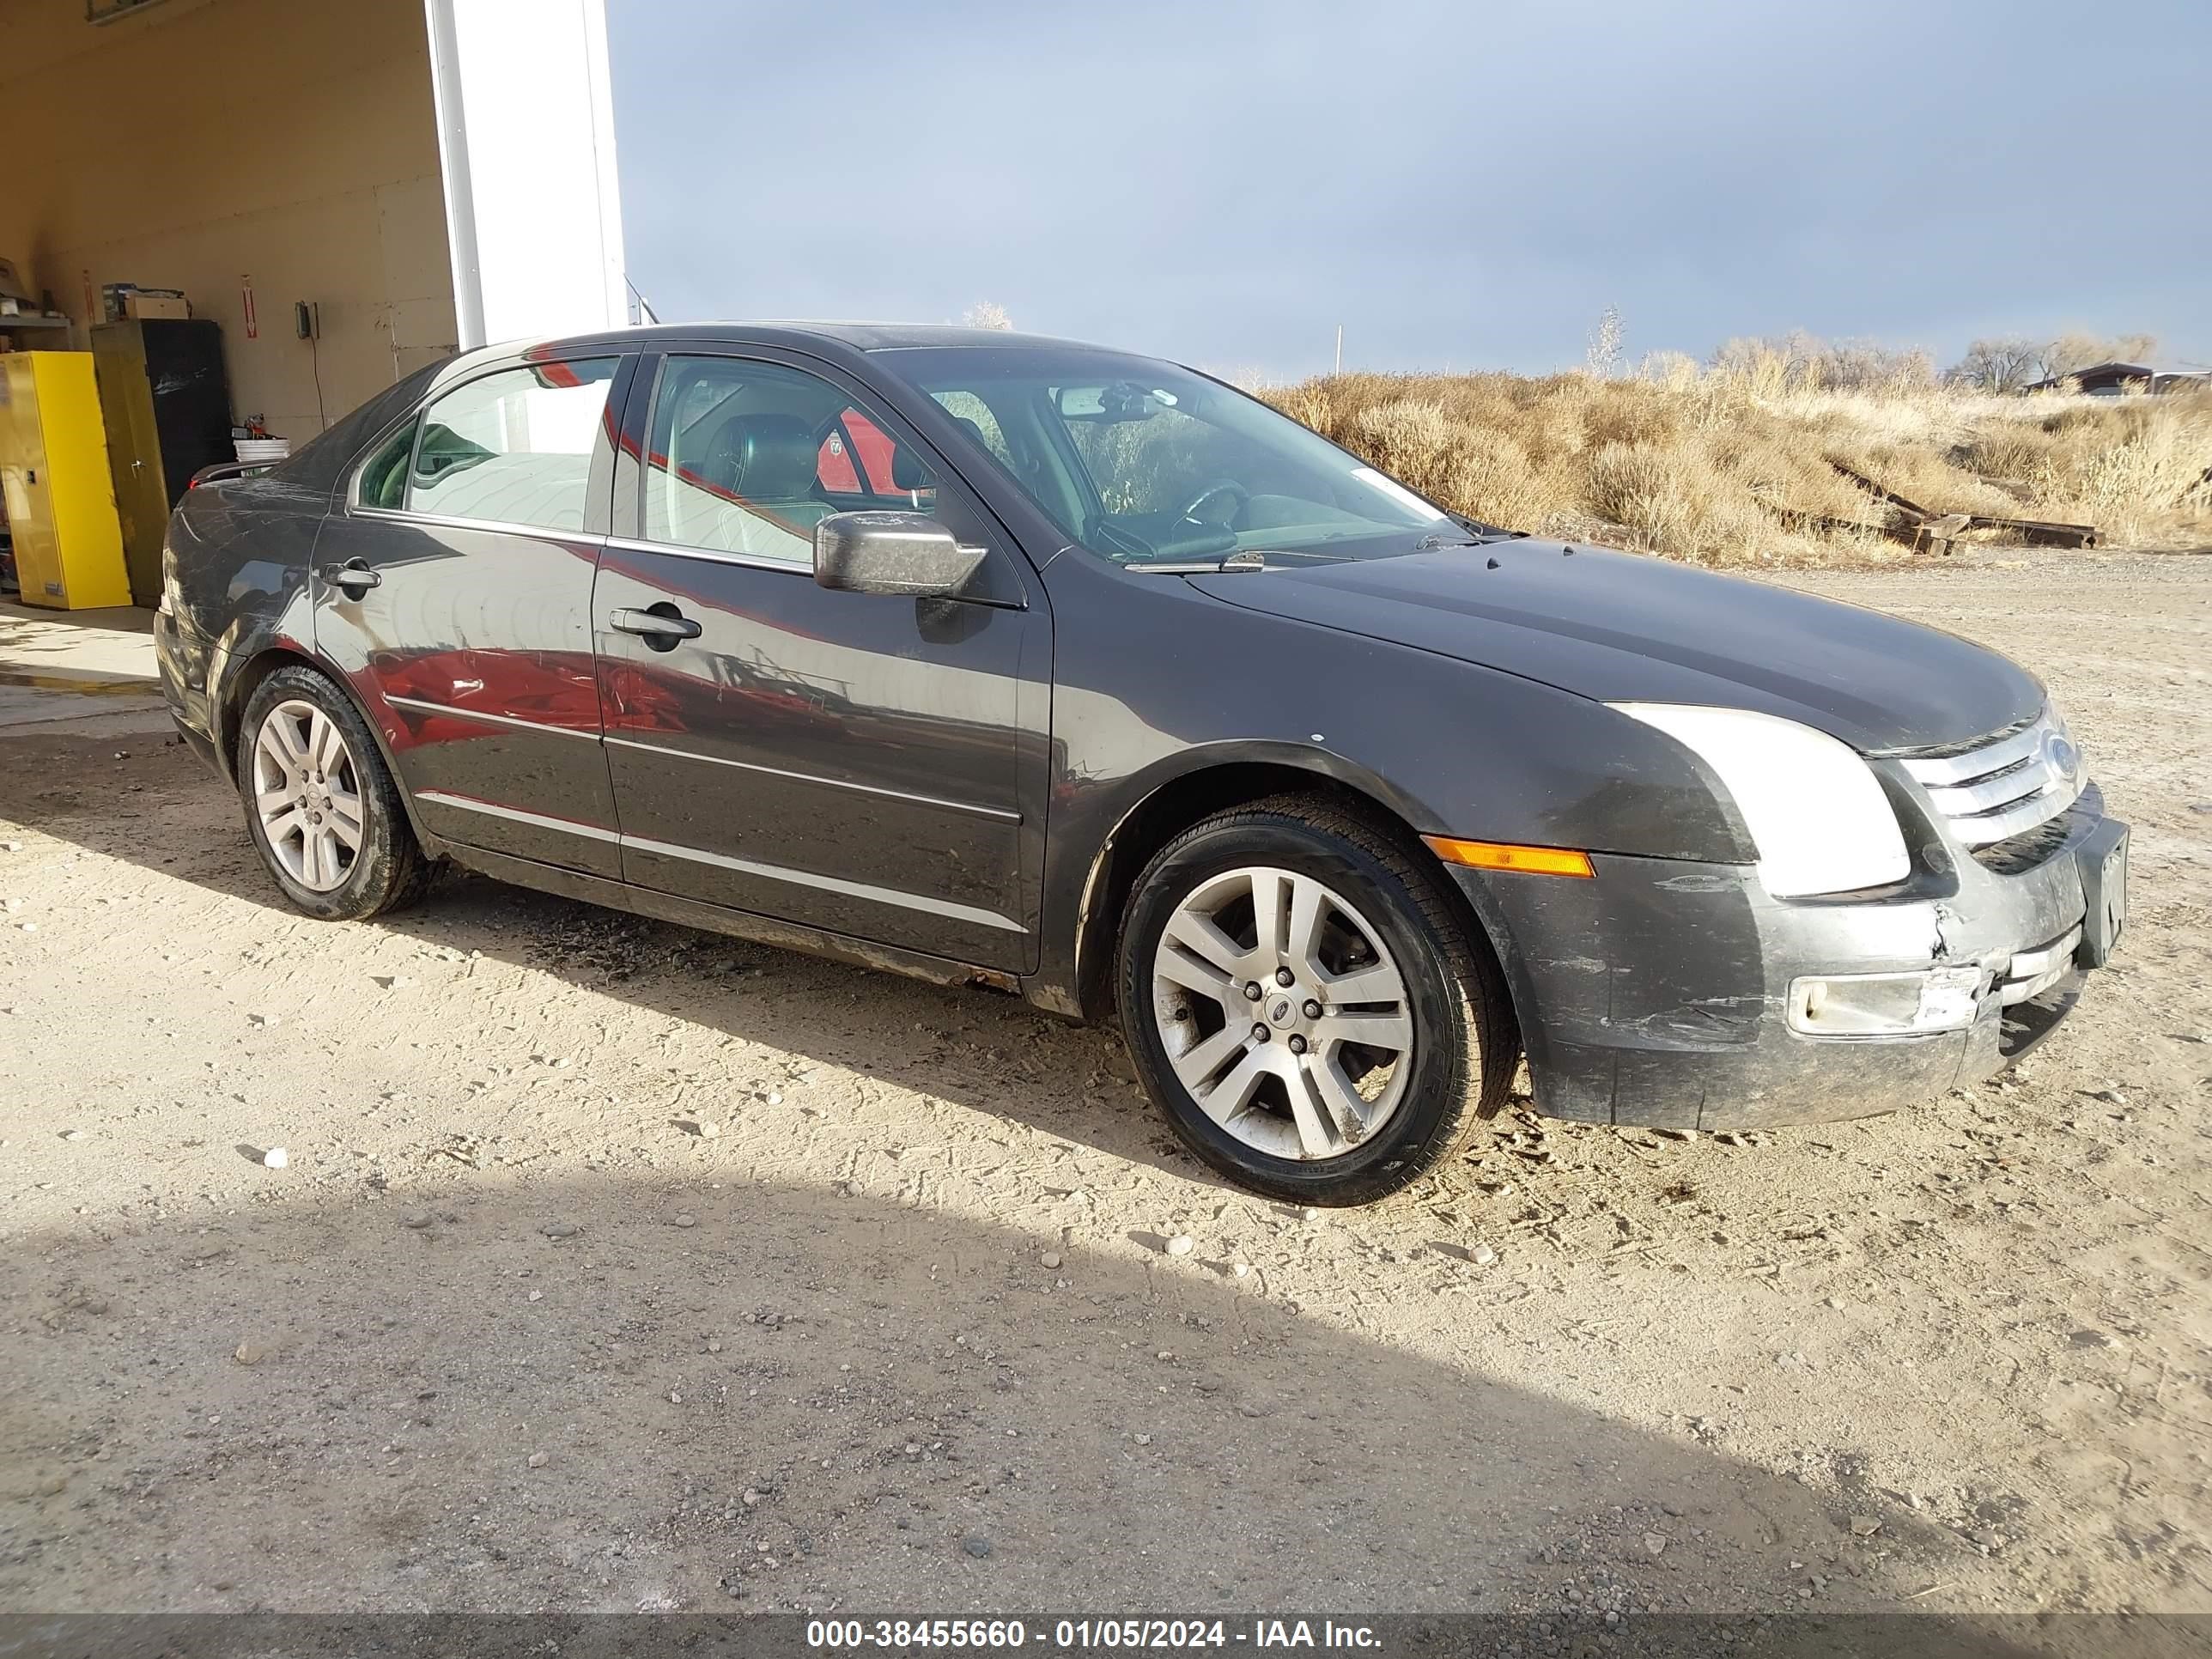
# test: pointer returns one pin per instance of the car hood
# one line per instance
(1620, 628)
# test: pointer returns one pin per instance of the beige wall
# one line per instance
(205, 140)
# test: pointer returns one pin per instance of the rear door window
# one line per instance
(384, 475)
(514, 447)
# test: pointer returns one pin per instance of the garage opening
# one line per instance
(224, 223)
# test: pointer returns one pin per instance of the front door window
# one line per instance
(748, 457)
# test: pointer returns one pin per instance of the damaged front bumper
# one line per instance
(1683, 995)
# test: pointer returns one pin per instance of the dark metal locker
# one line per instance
(166, 401)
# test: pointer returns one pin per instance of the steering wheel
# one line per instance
(1219, 487)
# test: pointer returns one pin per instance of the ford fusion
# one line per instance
(1036, 666)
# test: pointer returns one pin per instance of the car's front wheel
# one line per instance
(320, 805)
(1303, 1002)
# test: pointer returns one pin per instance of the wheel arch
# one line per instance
(238, 686)
(1172, 804)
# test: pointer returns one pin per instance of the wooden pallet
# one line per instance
(1934, 532)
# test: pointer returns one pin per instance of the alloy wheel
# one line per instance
(307, 794)
(1283, 1013)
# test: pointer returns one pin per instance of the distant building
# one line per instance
(2112, 380)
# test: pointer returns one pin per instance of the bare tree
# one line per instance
(2006, 363)
(987, 313)
(2012, 361)
(1808, 362)
(1602, 355)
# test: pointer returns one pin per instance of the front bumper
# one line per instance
(1658, 993)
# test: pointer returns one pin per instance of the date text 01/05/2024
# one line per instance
(1102, 1634)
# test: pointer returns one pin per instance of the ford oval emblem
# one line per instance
(2063, 757)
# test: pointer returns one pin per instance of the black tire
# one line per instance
(389, 870)
(1465, 1042)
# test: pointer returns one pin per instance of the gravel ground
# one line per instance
(615, 1265)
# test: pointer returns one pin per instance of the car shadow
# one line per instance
(458, 1390)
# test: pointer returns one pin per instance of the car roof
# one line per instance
(850, 337)
(845, 344)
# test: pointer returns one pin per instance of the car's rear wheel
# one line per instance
(320, 805)
(1303, 1001)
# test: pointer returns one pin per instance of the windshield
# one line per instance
(1146, 462)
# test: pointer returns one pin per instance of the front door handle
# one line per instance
(353, 576)
(662, 626)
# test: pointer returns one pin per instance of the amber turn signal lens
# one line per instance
(1505, 855)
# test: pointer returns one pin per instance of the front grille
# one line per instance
(2004, 789)
(2023, 852)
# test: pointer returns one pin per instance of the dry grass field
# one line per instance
(1730, 465)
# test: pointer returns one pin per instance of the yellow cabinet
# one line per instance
(53, 472)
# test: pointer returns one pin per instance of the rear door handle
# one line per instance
(350, 575)
(668, 626)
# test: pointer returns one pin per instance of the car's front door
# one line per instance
(856, 763)
(454, 587)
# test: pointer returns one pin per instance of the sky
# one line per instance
(1458, 185)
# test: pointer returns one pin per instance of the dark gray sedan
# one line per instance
(1031, 665)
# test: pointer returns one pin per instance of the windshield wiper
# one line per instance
(1483, 533)
(1250, 559)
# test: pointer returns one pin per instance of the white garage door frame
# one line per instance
(526, 145)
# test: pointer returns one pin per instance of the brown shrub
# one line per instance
(1730, 466)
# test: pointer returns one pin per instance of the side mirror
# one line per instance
(908, 554)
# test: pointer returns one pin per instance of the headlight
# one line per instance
(1816, 813)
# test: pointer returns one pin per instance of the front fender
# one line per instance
(1156, 681)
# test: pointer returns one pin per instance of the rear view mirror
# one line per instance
(900, 553)
(1126, 400)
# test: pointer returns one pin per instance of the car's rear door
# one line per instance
(453, 588)
(869, 765)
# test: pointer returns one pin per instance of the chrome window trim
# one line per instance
(975, 809)
(754, 562)
(497, 526)
(516, 815)
(426, 707)
(859, 889)
(713, 556)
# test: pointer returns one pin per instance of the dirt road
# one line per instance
(509, 1332)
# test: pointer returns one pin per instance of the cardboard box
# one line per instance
(119, 300)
